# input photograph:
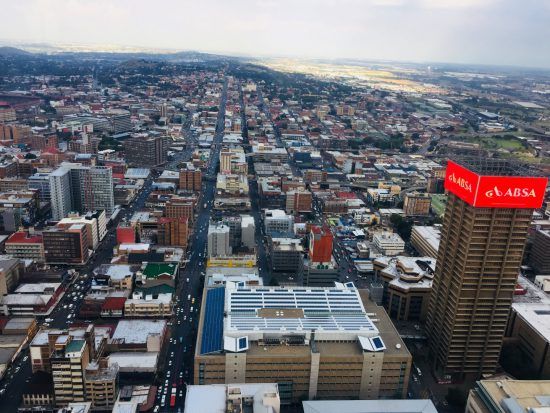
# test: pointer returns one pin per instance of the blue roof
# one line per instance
(212, 329)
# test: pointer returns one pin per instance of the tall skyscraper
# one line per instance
(60, 192)
(488, 212)
(76, 187)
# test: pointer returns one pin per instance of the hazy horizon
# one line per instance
(480, 32)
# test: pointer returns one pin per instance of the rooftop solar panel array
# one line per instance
(324, 309)
(212, 330)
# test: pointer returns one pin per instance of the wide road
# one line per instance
(177, 362)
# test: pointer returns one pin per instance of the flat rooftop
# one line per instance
(369, 406)
(137, 331)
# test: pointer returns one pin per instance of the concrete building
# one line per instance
(507, 395)
(482, 243)
(218, 241)
(61, 193)
(320, 244)
(298, 202)
(41, 182)
(417, 204)
(10, 272)
(277, 222)
(240, 397)
(388, 243)
(425, 240)
(66, 244)
(301, 341)
(190, 178)
(540, 252)
(75, 187)
(146, 151)
(232, 185)
(25, 245)
(407, 283)
(286, 254)
(369, 406)
(248, 229)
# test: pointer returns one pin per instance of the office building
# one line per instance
(146, 151)
(407, 284)
(10, 272)
(320, 244)
(489, 209)
(190, 178)
(61, 193)
(41, 182)
(180, 207)
(286, 254)
(101, 385)
(218, 241)
(66, 244)
(417, 204)
(388, 243)
(75, 187)
(232, 185)
(248, 229)
(425, 240)
(277, 222)
(508, 395)
(298, 202)
(241, 397)
(25, 245)
(540, 252)
(315, 344)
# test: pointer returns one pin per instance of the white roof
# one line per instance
(369, 406)
(536, 315)
(137, 331)
(133, 359)
(36, 288)
(212, 398)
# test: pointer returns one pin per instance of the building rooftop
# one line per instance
(515, 396)
(217, 398)
(369, 406)
(155, 270)
(137, 331)
(260, 313)
(23, 237)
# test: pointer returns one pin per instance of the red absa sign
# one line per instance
(485, 191)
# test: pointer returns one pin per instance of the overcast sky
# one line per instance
(514, 32)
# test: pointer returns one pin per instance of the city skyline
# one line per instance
(466, 32)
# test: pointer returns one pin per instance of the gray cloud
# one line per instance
(470, 31)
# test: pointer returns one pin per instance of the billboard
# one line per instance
(486, 191)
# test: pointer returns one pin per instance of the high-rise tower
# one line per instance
(488, 212)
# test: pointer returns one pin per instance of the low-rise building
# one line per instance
(239, 397)
(388, 243)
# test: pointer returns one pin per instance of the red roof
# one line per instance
(346, 195)
(24, 237)
(113, 303)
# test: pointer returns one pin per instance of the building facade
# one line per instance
(482, 243)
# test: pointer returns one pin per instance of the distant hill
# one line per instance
(12, 51)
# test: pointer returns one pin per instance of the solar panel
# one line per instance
(243, 343)
(212, 330)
